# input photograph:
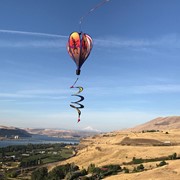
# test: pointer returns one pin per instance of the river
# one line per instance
(36, 139)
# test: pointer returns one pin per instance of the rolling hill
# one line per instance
(121, 147)
(12, 131)
(62, 133)
(160, 123)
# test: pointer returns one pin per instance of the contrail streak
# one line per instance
(32, 33)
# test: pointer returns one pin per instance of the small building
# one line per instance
(16, 137)
(26, 155)
(167, 143)
(55, 153)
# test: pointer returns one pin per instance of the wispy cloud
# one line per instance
(166, 41)
(163, 88)
(36, 94)
(42, 91)
(26, 39)
(120, 43)
(135, 89)
(7, 100)
(32, 33)
(55, 40)
(14, 95)
(33, 44)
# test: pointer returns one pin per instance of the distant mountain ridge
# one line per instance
(160, 123)
(61, 133)
(10, 131)
(13, 131)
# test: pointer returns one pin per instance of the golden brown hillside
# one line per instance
(160, 123)
(122, 146)
(168, 172)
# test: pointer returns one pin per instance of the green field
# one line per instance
(15, 160)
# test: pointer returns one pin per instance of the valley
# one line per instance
(135, 153)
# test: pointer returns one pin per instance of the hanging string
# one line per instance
(76, 105)
(75, 82)
(91, 10)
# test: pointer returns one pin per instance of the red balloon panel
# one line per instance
(79, 47)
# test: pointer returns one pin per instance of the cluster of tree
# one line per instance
(126, 170)
(173, 156)
(68, 171)
(41, 173)
(16, 158)
(39, 159)
(152, 130)
(139, 168)
(13, 174)
(141, 160)
(162, 163)
(104, 171)
(30, 161)
(31, 147)
(72, 172)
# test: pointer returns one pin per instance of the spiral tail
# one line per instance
(77, 105)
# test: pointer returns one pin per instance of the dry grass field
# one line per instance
(105, 149)
(168, 172)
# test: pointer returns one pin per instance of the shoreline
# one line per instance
(37, 139)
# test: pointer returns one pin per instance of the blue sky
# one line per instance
(131, 76)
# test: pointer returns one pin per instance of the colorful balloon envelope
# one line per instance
(79, 47)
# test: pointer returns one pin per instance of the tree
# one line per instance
(40, 174)
(174, 156)
(61, 171)
(135, 169)
(3, 154)
(126, 170)
(12, 174)
(56, 174)
(137, 161)
(73, 167)
(91, 168)
(162, 163)
(83, 172)
(140, 167)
